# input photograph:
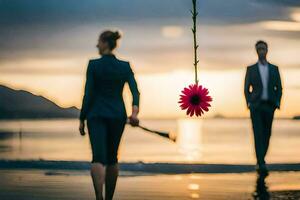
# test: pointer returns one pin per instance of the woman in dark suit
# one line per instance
(103, 108)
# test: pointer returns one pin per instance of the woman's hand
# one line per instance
(81, 128)
(133, 120)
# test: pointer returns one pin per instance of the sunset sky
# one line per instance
(45, 47)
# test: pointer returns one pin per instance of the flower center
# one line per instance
(195, 99)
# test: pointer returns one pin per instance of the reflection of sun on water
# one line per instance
(195, 196)
(193, 186)
(190, 138)
(178, 177)
(195, 177)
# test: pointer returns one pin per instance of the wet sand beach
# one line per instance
(76, 184)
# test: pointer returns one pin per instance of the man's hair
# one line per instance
(261, 42)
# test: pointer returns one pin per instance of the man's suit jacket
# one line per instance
(105, 79)
(253, 86)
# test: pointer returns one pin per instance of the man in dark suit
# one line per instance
(263, 91)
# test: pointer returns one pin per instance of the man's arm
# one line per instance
(247, 85)
(279, 88)
(88, 92)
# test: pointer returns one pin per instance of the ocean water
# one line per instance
(228, 141)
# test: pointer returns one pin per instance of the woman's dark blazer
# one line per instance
(105, 79)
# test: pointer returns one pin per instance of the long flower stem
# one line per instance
(194, 30)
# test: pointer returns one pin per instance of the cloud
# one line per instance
(281, 25)
(156, 31)
(64, 12)
(57, 12)
(296, 16)
(173, 32)
(291, 3)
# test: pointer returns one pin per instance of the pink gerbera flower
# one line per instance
(195, 99)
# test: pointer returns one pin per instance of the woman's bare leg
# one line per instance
(112, 172)
(98, 176)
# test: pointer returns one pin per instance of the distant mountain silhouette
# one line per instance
(15, 104)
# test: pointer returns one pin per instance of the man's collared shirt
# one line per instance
(264, 74)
